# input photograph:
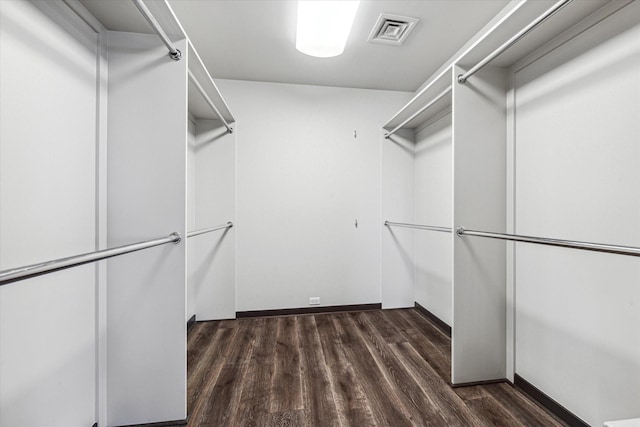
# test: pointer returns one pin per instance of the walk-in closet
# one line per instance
(206, 221)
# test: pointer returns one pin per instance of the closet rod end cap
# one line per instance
(176, 56)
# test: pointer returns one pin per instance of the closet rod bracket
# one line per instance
(174, 53)
(176, 56)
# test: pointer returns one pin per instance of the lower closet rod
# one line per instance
(15, 274)
(597, 247)
(418, 226)
(229, 224)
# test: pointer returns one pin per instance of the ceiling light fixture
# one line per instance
(324, 26)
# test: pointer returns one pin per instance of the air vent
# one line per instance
(392, 29)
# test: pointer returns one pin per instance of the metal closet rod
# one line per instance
(418, 226)
(229, 224)
(597, 247)
(462, 78)
(198, 86)
(174, 53)
(15, 274)
(417, 113)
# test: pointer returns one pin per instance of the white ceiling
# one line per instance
(255, 39)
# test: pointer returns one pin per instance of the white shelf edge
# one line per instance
(168, 20)
(435, 87)
(565, 18)
(421, 97)
(508, 22)
(197, 105)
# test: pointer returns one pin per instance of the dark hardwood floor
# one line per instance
(372, 368)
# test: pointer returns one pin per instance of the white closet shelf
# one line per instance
(425, 97)
(521, 16)
(167, 20)
(162, 13)
(517, 17)
(198, 106)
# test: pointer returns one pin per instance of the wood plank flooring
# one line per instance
(371, 368)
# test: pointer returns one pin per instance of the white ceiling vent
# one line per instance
(392, 29)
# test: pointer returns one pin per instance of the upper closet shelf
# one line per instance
(428, 103)
(159, 15)
(205, 100)
(551, 18)
(521, 29)
(174, 52)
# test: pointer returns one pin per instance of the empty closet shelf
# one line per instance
(462, 78)
(420, 111)
(208, 100)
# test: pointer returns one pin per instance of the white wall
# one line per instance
(303, 180)
(433, 197)
(212, 265)
(398, 265)
(48, 197)
(577, 175)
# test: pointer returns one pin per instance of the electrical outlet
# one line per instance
(314, 301)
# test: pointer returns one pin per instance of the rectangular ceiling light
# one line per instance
(324, 26)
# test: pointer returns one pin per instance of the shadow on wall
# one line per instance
(56, 53)
(406, 258)
(402, 143)
(17, 404)
(433, 280)
(40, 365)
(613, 394)
(588, 65)
(209, 137)
(436, 136)
(206, 262)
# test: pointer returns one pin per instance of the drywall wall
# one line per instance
(433, 196)
(48, 130)
(304, 179)
(212, 264)
(577, 175)
(398, 287)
